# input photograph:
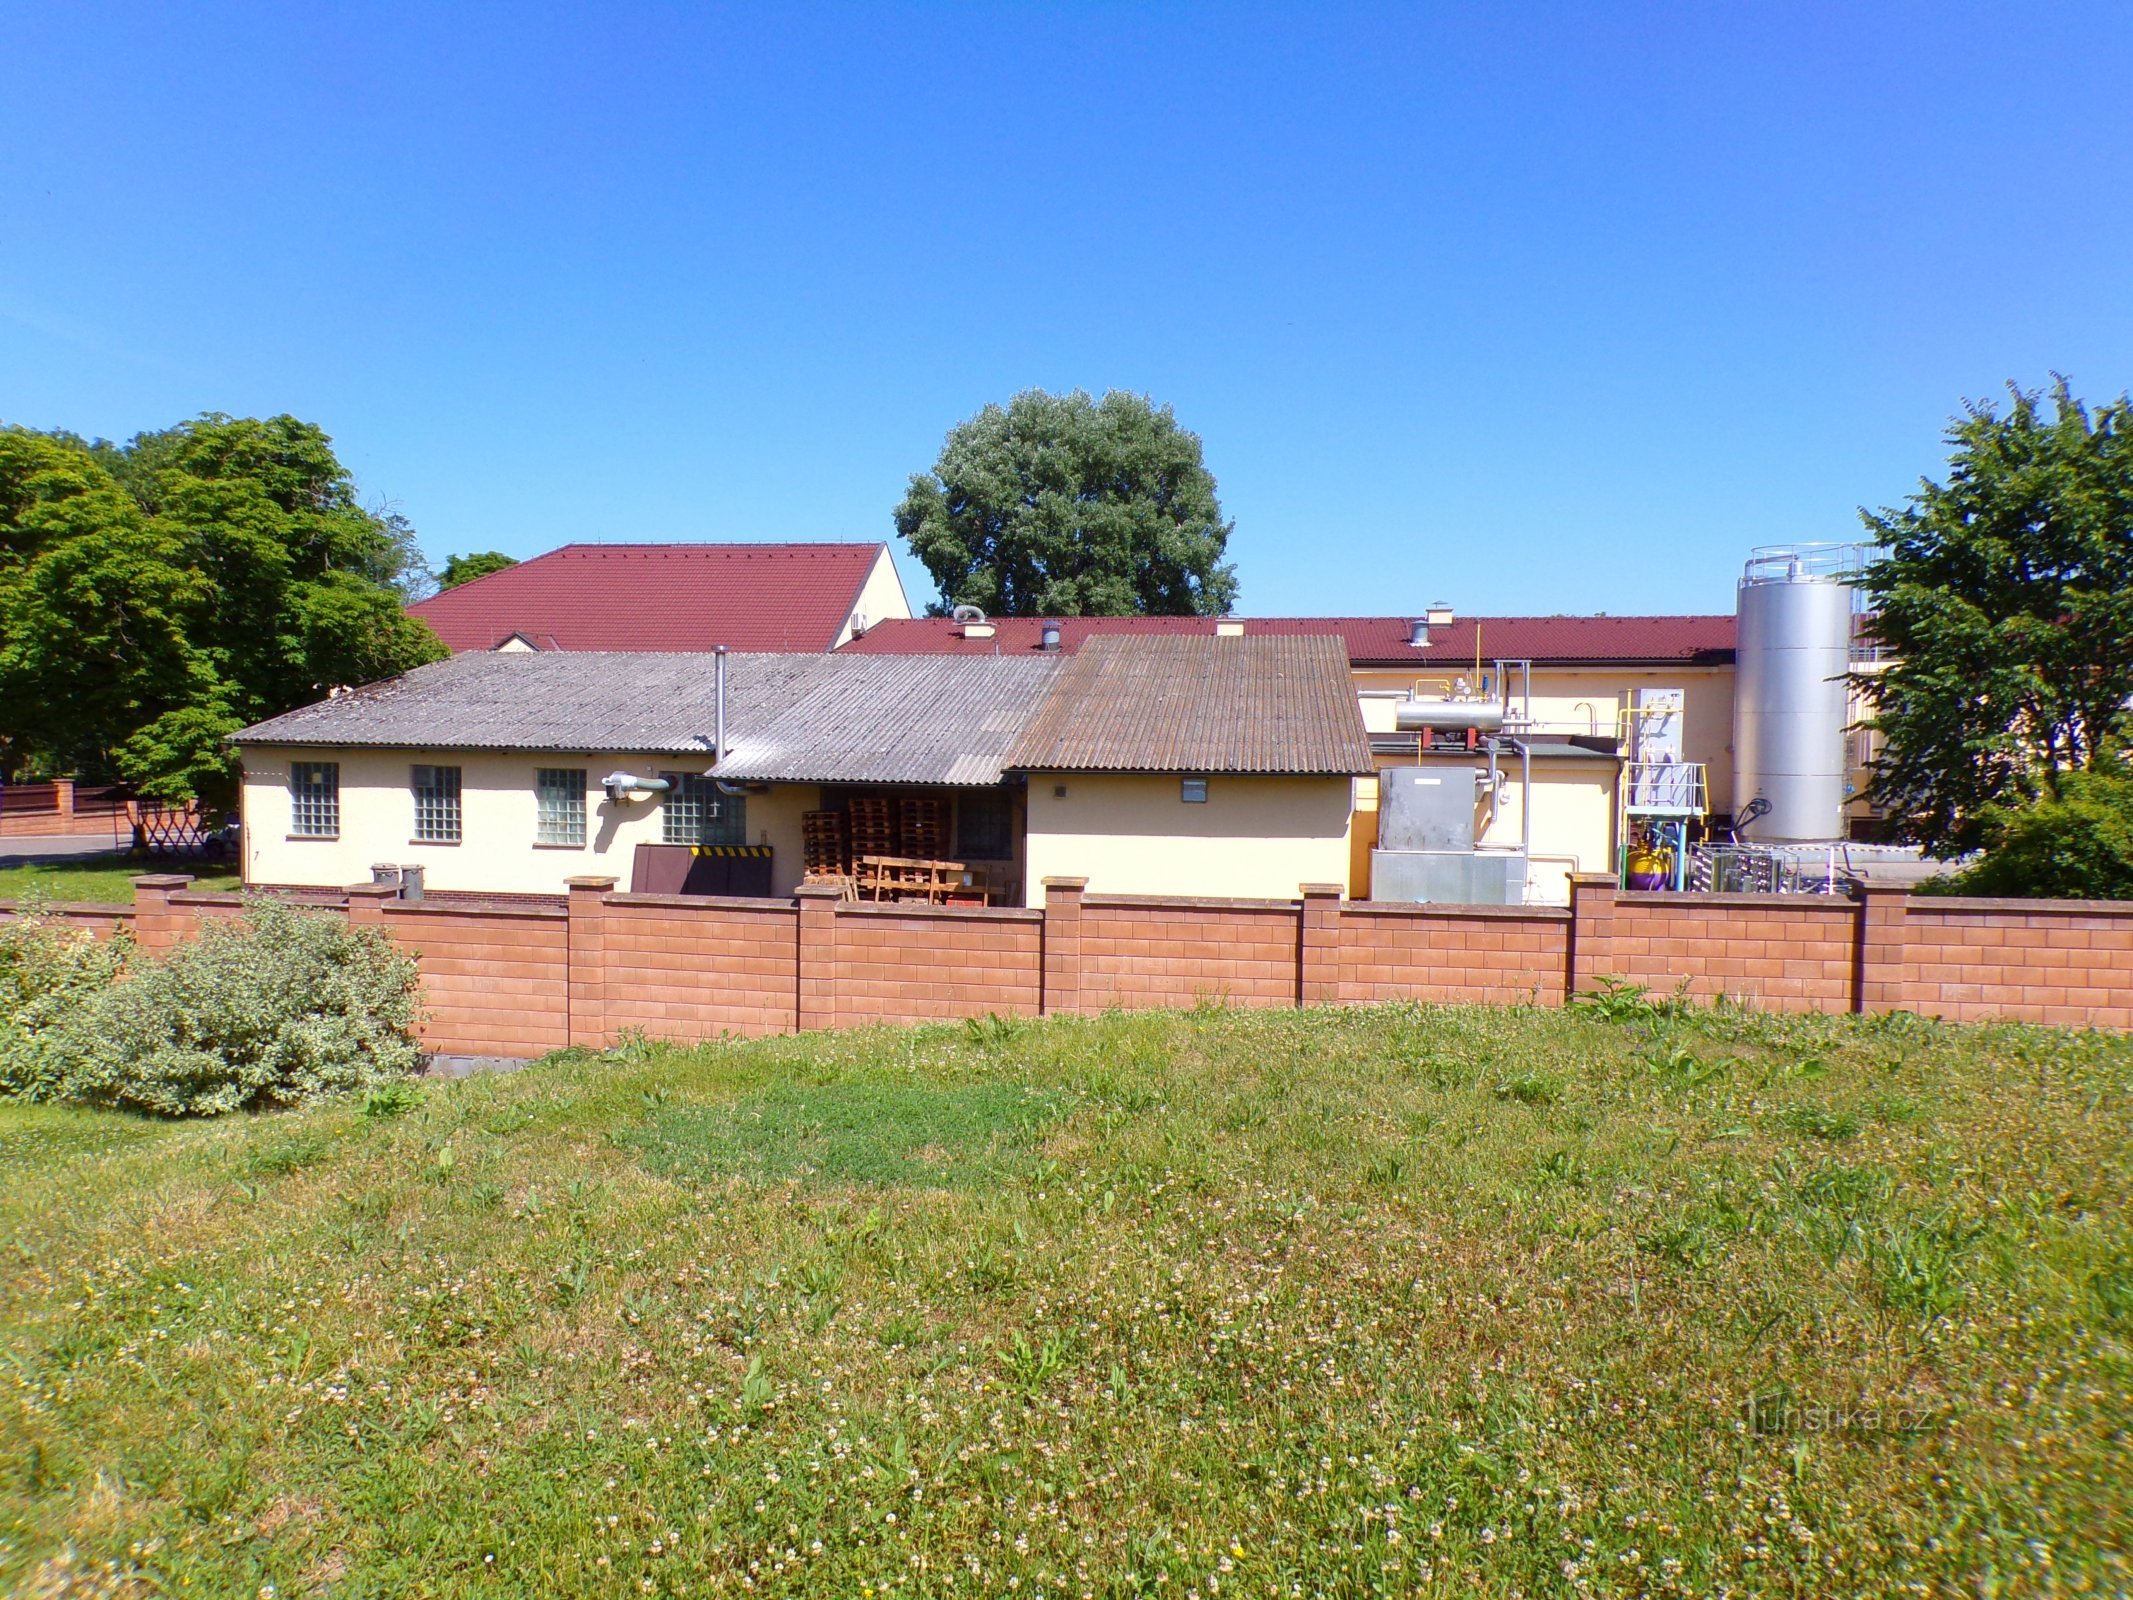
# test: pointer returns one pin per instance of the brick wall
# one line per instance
(682, 968)
(1503, 955)
(920, 964)
(519, 981)
(1139, 953)
(2066, 962)
(1772, 952)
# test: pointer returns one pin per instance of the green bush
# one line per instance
(49, 969)
(2076, 846)
(278, 1008)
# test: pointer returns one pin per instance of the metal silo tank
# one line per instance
(1790, 702)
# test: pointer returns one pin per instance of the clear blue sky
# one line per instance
(1536, 308)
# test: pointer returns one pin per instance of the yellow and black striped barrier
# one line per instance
(741, 852)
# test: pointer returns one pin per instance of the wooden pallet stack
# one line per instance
(924, 828)
(825, 844)
(872, 827)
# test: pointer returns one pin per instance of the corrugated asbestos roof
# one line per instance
(797, 718)
(1200, 703)
(640, 597)
(1370, 641)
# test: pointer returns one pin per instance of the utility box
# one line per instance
(1448, 877)
(1428, 807)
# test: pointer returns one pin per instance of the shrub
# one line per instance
(48, 970)
(2076, 845)
(278, 1008)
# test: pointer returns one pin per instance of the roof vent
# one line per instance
(1439, 614)
(1048, 637)
(1229, 630)
(1418, 634)
(973, 623)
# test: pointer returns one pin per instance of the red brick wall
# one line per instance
(1477, 953)
(912, 964)
(494, 983)
(688, 969)
(1771, 952)
(521, 981)
(1971, 959)
(1141, 953)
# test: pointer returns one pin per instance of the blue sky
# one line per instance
(1546, 308)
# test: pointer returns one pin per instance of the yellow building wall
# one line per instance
(881, 596)
(1573, 823)
(1590, 700)
(1253, 837)
(496, 853)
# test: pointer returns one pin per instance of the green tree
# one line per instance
(159, 595)
(1060, 505)
(2004, 597)
(466, 568)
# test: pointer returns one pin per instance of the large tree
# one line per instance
(478, 564)
(2004, 597)
(1061, 505)
(158, 595)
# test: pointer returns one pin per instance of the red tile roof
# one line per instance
(1371, 641)
(659, 597)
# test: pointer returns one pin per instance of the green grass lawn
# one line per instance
(1304, 1303)
(107, 879)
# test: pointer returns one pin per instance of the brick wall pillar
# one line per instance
(366, 903)
(1318, 954)
(1592, 930)
(63, 801)
(1062, 946)
(585, 946)
(816, 1004)
(1878, 967)
(157, 926)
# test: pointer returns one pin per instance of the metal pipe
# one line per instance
(718, 672)
(1525, 794)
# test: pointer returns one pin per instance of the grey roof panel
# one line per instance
(794, 718)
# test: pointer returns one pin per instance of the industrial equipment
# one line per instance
(1791, 702)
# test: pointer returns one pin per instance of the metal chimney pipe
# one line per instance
(718, 737)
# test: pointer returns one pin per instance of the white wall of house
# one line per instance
(498, 852)
(1255, 837)
(881, 596)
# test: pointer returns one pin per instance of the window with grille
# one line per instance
(315, 799)
(696, 813)
(984, 825)
(437, 805)
(559, 805)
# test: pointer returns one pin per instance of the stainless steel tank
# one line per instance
(1790, 703)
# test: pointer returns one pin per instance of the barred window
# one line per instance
(559, 805)
(315, 799)
(437, 805)
(696, 813)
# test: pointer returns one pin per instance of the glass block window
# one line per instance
(696, 813)
(315, 799)
(984, 825)
(559, 805)
(437, 805)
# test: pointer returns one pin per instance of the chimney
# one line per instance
(1048, 636)
(1439, 614)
